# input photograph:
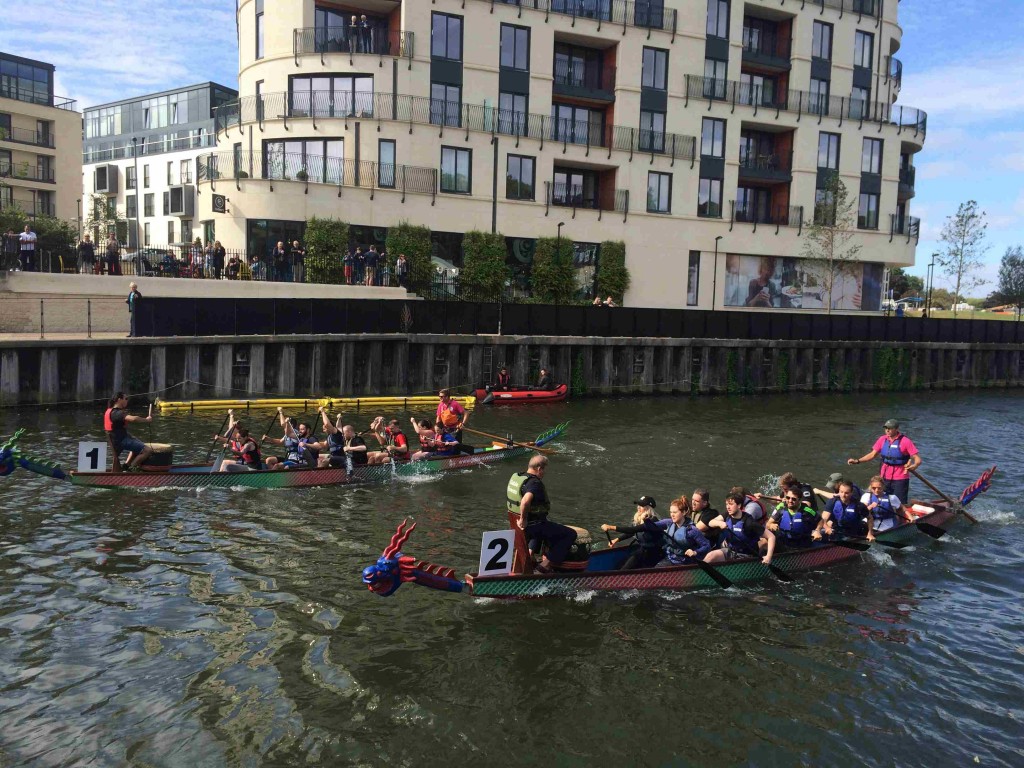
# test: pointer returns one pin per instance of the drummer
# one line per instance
(114, 420)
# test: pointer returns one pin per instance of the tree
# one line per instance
(326, 244)
(553, 277)
(414, 242)
(1011, 277)
(903, 285)
(828, 237)
(484, 272)
(104, 218)
(612, 274)
(963, 241)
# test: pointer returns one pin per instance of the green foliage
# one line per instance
(827, 238)
(1011, 277)
(612, 274)
(732, 386)
(963, 245)
(782, 371)
(578, 384)
(326, 243)
(903, 285)
(484, 273)
(553, 277)
(414, 242)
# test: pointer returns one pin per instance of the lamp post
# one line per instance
(78, 208)
(928, 295)
(138, 204)
(558, 245)
(714, 277)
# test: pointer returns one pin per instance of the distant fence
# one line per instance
(235, 317)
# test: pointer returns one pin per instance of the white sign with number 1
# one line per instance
(496, 551)
(92, 457)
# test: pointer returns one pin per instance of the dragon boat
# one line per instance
(521, 395)
(187, 476)
(586, 571)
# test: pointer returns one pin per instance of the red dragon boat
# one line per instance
(598, 571)
(521, 395)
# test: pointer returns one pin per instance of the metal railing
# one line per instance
(27, 136)
(8, 91)
(578, 75)
(644, 14)
(27, 206)
(772, 162)
(26, 172)
(757, 43)
(908, 176)
(860, 7)
(573, 196)
(699, 87)
(894, 69)
(126, 151)
(316, 105)
(378, 41)
(776, 216)
(905, 226)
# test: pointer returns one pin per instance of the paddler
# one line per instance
(899, 459)
(430, 442)
(243, 446)
(527, 496)
(703, 514)
(845, 513)
(332, 447)
(831, 494)
(793, 521)
(392, 440)
(114, 420)
(885, 510)
(649, 548)
(741, 535)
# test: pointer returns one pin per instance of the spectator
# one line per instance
(133, 307)
(402, 271)
(278, 262)
(86, 255)
(233, 266)
(27, 242)
(597, 302)
(298, 262)
(208, 260)
(371, 259)
(258, 268)
(348, 262)
(113, 255)
(353, 35)
(10, 250)
(364, 34)
(198, 258)
(359, 266)
(610, 302)
(217, 260)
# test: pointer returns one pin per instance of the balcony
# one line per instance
(895, 70)
(766, 51)
(576, 197)
(770, 167)
(26, 172)
(773, 216)
(376, 41)
(906, 186)
(26, 205)
(644, 14)
(34, 97)
(180, 200)
(859, 7)
(27, 136)
(575, 80)
(904, 226)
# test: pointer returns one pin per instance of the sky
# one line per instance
(963, 63)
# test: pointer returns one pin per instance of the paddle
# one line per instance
(231, 425)
(266, 432)
(213, 442)
(778, 573)
(504, 440)
(957, 507)
(851, 544)
(718, 577)
(927, 528)
(879, 542)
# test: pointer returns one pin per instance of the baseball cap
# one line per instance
(645, 501)
(892, 423)
(834, 480)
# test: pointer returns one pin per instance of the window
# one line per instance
(520, 178)
(577, 66)
(259, 29)
(147, 204)
(170, 173)
(446, 37)
(131, 210)
(824, 207)
(331, 96)
(170, 232)
(512, 113)
(871, 156)
(576, 188)
(859, 103)
(445, 104)
(129, 177)
(712, 138)
(386, 153)
(185, 172)
(515, 48)
(709, 198)
(456, 170)
(828, 151)
(818, 104)
(715, 72)
(659, 192)
(753, 205)
(718, 19)
(867, 215)
(111, 207)
(577, 125)
(757, 90)
(145, 176)
(652, 131)
(693, 279)
(655, 69)
(186, 231)
(863, 45)
(318, 160)
(146, 240)
(821, 42)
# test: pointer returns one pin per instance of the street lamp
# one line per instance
(928, 296)
(138, 205)
(714, 276)
(558, 243)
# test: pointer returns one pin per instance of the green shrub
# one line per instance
(553, 277)
(414, 242)
(326, 243)
(612, 275)
(484, 273)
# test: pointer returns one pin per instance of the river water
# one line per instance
(230, 627)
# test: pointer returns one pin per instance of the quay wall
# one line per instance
(179, 368)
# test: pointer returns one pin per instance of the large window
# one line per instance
(693, 279)
(871, 156)
(445, 104)
(318, 160)
(715, 71)
(757, 90)
(575, 187)
(446, 36)
(709, 198)
(578, 66)
(821, 42)
(25, 82)
(863, 45)
(520, 178)
(386, 163)
(652, 131)
(170, 232)
(577, 125)
(818, 103)
(332, 96)
(515, 47)
(824, 207)
(259, 29)
(131, 210)
(147, 203)
(512, 113)
(145, 176)
(712, 137)
(456, 170)
(659, 192)
(828, 151)
(867, 214)
(655, 69)
(129, 177)
(859, 99)
(718, 19)
(146, 238)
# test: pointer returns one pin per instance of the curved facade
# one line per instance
(682, 131)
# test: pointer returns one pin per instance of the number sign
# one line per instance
(496, 552)
(92, 457)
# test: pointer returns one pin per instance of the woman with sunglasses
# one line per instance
(884, 509)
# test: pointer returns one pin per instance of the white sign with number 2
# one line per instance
(92, 457)
(496, 551)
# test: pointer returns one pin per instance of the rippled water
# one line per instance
(230, 628)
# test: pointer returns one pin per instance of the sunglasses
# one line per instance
(792, 498)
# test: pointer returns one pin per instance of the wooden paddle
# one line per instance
(850, 544)
(957, 506)
(213, 442)
(504, 440)
(778, 573)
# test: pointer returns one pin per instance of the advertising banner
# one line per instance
(770, 282)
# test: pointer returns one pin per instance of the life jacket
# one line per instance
(250, 454)
(304, 446)
(428, 443)
(797, 525)
(514, 497)
(391, 438)
(504, 379)
(681, 538)
(847, 518)
(448, 417)
(292, 448)
(741, 535)
(892, 452)
(336, 444)
(765, 511)
(651, 540)
(235, 447)
(108, 423)
(884, 509)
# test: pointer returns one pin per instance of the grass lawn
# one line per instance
(975, 315)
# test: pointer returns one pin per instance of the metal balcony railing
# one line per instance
(149, 148)
(574, 196)
(776, 216)
(766, 163)
(757, 43)
(644, 14)
(317, 105)
(908, 176)
(26, 172)
(577, 75)
(27, 136)
(377, 41)
(802, 102)
(27, 205)
(859, 7)
(9, 91)
(904, 226)
(895, 71)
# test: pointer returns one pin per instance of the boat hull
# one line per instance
(522, 396)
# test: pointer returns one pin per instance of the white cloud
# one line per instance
(965, 93)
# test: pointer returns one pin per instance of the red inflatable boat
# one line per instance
(521, 395)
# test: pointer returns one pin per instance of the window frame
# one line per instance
(381, 165)
(693, 285)
(261, 48)
(512, 121)
(719, 22)
(444, 117)
(818, 40)
(448, 18)
(656, 55)
(860, 37)
(518, 181)
(720, 140)
(469, 170)
(515, 30)
(146, 239)
(710, 198)
(148, 205)
(870, 159)
(651, 139)
(662, 179)
(827, 137)
(868, 219)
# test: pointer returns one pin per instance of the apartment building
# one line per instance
(140, 157)
(40, 141)
(701, 134)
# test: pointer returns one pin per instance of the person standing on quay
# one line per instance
(298, 262)
(402, 271)
(371, 265)
(278, 263)
(133, 307)
(113, 255)
(217, 259)
(348, 263)
(27, 241)
(86, 255)
(899, 459)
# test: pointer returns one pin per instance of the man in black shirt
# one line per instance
(703, 514)
(533, 518)
(544, 382)
(355, 446)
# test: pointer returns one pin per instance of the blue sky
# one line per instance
(963, 63)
